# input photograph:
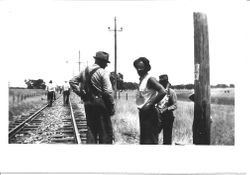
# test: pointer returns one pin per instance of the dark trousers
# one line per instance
(99, 125)
(50, 97)
(167, 120)
(54, 95)
(149, 126)
(65, 97)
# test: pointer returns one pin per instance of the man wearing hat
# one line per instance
(50, 92)
(66, 93)
(150, 93)
(94, 81)
(166, 107)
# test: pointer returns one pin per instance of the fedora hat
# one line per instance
(102, 56)
(163, 77)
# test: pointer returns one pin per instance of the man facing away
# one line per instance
(50, 92)
(95, 81)
(166, 107)
(66, 92)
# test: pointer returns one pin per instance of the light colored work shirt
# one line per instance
(144, 94)
(100, 80)
(50, 87)
(66, 87)
(169, 101)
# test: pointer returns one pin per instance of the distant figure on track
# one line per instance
(50, 92)
(149, 94)
(94, 87)
(66, 92)
(166, 107)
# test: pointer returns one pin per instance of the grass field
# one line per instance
(19, 95)
(25, 101)
(126, 120)
(223, 96)
(25, 91)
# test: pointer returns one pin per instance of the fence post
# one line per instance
(126, 96)
(201, 123)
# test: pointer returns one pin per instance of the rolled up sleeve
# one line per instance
(75, 83)
(107, 87)
(174, 100)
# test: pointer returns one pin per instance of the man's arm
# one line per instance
(173, 99)
(74, 84)
(107, 86)
(154, 84)
(107, 93)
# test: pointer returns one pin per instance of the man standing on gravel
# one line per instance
(66, 92)
(50, 92)
(94, 87)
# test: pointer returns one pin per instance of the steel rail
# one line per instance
(29, 119)
(77, 134)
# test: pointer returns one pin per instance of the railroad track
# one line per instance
(74, 129)
(25, 121)
(70, 122)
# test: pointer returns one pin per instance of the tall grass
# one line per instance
(182, 127)
(223, 96)
(223, 124)
(25, 101)
(20, 95)
(126, 122)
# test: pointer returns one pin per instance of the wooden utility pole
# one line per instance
(115, 48)
(202, 122)
(79, 62)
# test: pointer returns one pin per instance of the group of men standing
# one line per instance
(51, 92)
(155, 101)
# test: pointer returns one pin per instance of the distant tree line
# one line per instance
(183, 86)
(191, 86)
(17, 87)
(35, 84)
(130, 86)
(121, 85)
(119, 77)
(223, 86)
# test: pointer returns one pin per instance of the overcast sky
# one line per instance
(41, 39)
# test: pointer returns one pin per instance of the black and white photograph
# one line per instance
(164, 81)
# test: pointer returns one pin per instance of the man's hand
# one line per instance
(112, 112)
(147, 106)
(163, 110)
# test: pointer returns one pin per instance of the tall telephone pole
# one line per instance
(202, 122)
(79, 62)
(115, 48)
